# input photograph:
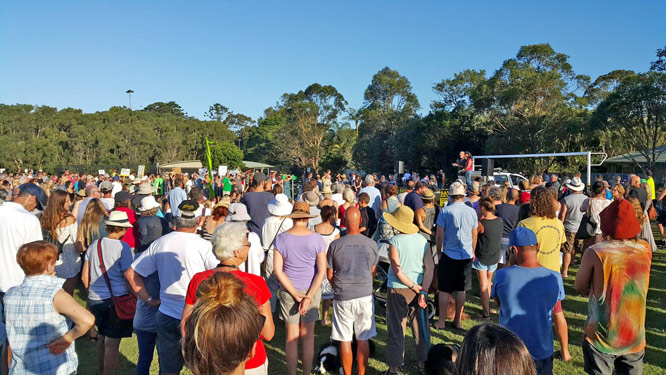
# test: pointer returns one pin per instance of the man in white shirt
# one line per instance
(178, 256)
(106, 188)
(18, 226)
(373, 192)
(117, 186)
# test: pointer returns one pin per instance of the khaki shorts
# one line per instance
(289, 308)
(355, 315)
(571, 243)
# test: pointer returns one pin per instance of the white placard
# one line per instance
(222, 170)
(140, 171)
(100, 171)
(125, 172)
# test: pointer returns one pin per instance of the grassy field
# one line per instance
(575, 307)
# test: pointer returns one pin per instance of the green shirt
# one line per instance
(226, 184)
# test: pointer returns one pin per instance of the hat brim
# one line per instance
(240, 217)
(279, 210)
(311, 204)
(300, 215)
(117, 224)
(576, 187)
(407, 228)
(143, 209)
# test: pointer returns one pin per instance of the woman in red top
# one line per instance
(231, 246)
(123, 203)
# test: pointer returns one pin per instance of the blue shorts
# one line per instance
(168, 344)
(477, 265)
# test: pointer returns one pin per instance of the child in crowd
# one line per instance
(368, 217)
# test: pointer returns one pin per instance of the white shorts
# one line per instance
(355, 315)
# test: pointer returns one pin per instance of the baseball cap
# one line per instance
(122, 196)
(37, 192)
(106, 186)
(522, 236)
(188, 208)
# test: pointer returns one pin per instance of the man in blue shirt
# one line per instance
(457, 230)
(373, 192)
(413, 199)
(526, 294)
(176, 196)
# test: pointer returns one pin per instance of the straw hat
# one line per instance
(118, 219)
(148, 203)
(456, 189)
(224, 202)
(402, 219)
(279, 206)
(475, 189)
(427, 194)
(301, 211)
(311, 198)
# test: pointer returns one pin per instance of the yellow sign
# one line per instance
(443, 197)
(176, 170)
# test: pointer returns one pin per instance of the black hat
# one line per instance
(37, 192)
(188, 208)
(122, 196)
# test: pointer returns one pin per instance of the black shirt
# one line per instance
(490, 242)
(509, 215)
(640, 193)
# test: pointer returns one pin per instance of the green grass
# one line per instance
(575, 307)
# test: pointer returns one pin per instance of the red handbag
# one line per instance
(125, 305)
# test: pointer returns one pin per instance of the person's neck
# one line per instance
(528, 262)
(115, 236)
(23, 202)
(186, 230)
(496, 203)
(352, 231)
(231, 263)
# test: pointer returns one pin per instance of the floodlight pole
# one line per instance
(129, 93)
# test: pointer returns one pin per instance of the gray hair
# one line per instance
(228, 238)
(187, 223)
(339, 188)
(369, 180)
(495, 193)
(348, 195)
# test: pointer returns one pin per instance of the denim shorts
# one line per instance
(169, 352)
(477, 265)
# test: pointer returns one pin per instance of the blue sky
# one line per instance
(246, 54)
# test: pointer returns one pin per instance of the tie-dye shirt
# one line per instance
(616, 321)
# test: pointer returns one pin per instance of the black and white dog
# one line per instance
(329, 357)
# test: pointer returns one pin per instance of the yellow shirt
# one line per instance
(650, 181)
(550, 235)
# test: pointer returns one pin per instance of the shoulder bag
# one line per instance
(588, 227)
(125, 305)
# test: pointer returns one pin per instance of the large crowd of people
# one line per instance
(197, 269)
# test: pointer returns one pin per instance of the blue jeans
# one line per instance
(468, 179)
(146, 341)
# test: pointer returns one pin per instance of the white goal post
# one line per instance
(588, 154)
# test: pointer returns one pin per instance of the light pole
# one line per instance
(129, 93)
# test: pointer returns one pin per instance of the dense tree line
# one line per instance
(534, 102)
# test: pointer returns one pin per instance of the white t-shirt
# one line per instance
(17, 227)
(117, 186)
(108, 202)
(178, 256)
(255, 255)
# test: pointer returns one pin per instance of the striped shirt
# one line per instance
(32, 323)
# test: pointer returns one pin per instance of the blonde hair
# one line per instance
(348, 195)
(94, 214)
(223, 327)
(638, 209)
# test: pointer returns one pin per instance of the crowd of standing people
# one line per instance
(198, 269)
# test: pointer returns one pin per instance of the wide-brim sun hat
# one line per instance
(457, 188)
(280, 206)
(224, 202)
(311, 198)
(301, 211)
(146, 188)
(118, 219)
(576, 184)
(148, 203)
(402, 219)
(238, 212)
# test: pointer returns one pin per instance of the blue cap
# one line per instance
(35, 190)
(116, 178)
(522, 236)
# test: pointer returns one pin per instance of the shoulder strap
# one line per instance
(276, 233)
(101, 264)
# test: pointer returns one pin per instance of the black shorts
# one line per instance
(454, 275)
(661, 218)
(107, 322)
